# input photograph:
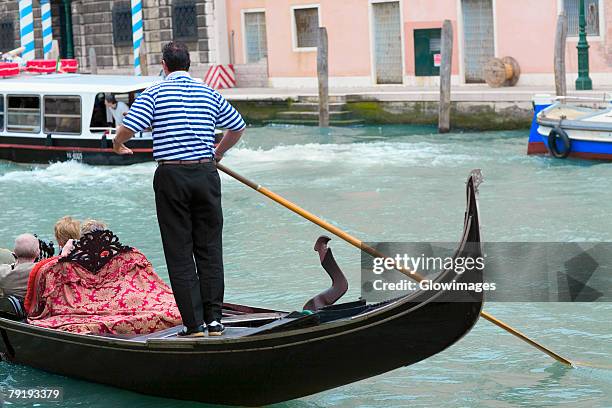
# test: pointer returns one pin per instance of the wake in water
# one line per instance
(359, 154)
(348, 154)
(72, 172)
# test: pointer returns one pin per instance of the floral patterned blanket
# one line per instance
(126, 296)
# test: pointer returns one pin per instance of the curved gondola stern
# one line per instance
(471, 232)
(472, 246)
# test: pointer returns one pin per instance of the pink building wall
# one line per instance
(349, 48)
(529, 37)
(418, 14)
(524, 29)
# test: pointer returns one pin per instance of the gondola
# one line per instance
(268, 356)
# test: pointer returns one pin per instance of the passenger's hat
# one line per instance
(6, 256)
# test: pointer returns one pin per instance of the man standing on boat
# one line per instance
(184, 113)
(118, 109)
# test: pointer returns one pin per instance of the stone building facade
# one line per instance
(9, 25)
(105, 27)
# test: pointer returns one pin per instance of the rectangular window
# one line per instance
(7, 35)
(255, 36)
(306, 24)
(427, 55)
(122, 24)
(572, 10)
(184, 20)
(1, 113)
(23, 114)
(63, 114)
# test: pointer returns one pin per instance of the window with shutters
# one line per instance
(592, 13)
(7, 35)
(255, 36)
(184, 20)
(122, 24)
(305, 28)
(478, 38)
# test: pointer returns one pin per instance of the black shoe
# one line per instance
(215, 330)
(196, 332)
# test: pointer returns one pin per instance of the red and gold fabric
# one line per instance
(126, 296)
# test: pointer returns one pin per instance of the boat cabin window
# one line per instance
(1, 113)
(102, 117)
(23, 114)
(62, 114)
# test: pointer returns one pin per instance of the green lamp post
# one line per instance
(66, 29)
(583, 82)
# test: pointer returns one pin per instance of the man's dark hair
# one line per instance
(176, 56)
(110, 98)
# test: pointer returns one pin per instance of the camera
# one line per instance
(47, 249)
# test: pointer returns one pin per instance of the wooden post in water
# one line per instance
(323, 76)
(446, 52)
(93, 62)
(560, 39)
(231, 48)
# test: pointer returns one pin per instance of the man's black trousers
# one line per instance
(188, 201)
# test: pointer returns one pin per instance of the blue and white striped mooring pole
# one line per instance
(47, 31)
(26, 25)
(137, 33)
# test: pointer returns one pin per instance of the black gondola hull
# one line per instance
(266, 368)
(262, 372)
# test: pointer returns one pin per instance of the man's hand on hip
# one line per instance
(230, 138)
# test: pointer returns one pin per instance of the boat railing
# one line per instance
(108, 131)
(111, 132)
(607, 98)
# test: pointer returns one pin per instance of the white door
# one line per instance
(387, 42)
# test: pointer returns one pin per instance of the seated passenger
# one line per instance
(14, 277)
(101, 287)
(66, 230)
(92, 226)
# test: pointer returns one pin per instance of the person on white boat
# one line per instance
(14, 277)
(117, 108)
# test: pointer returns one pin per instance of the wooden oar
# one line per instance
(368, 249)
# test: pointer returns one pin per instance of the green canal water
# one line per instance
(392, 183)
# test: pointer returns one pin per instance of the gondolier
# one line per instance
(183, 114)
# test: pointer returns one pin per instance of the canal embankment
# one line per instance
(473, 107)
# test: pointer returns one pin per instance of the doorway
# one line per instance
(478, 37)
(387, 35)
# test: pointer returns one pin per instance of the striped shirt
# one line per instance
(183, 113)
